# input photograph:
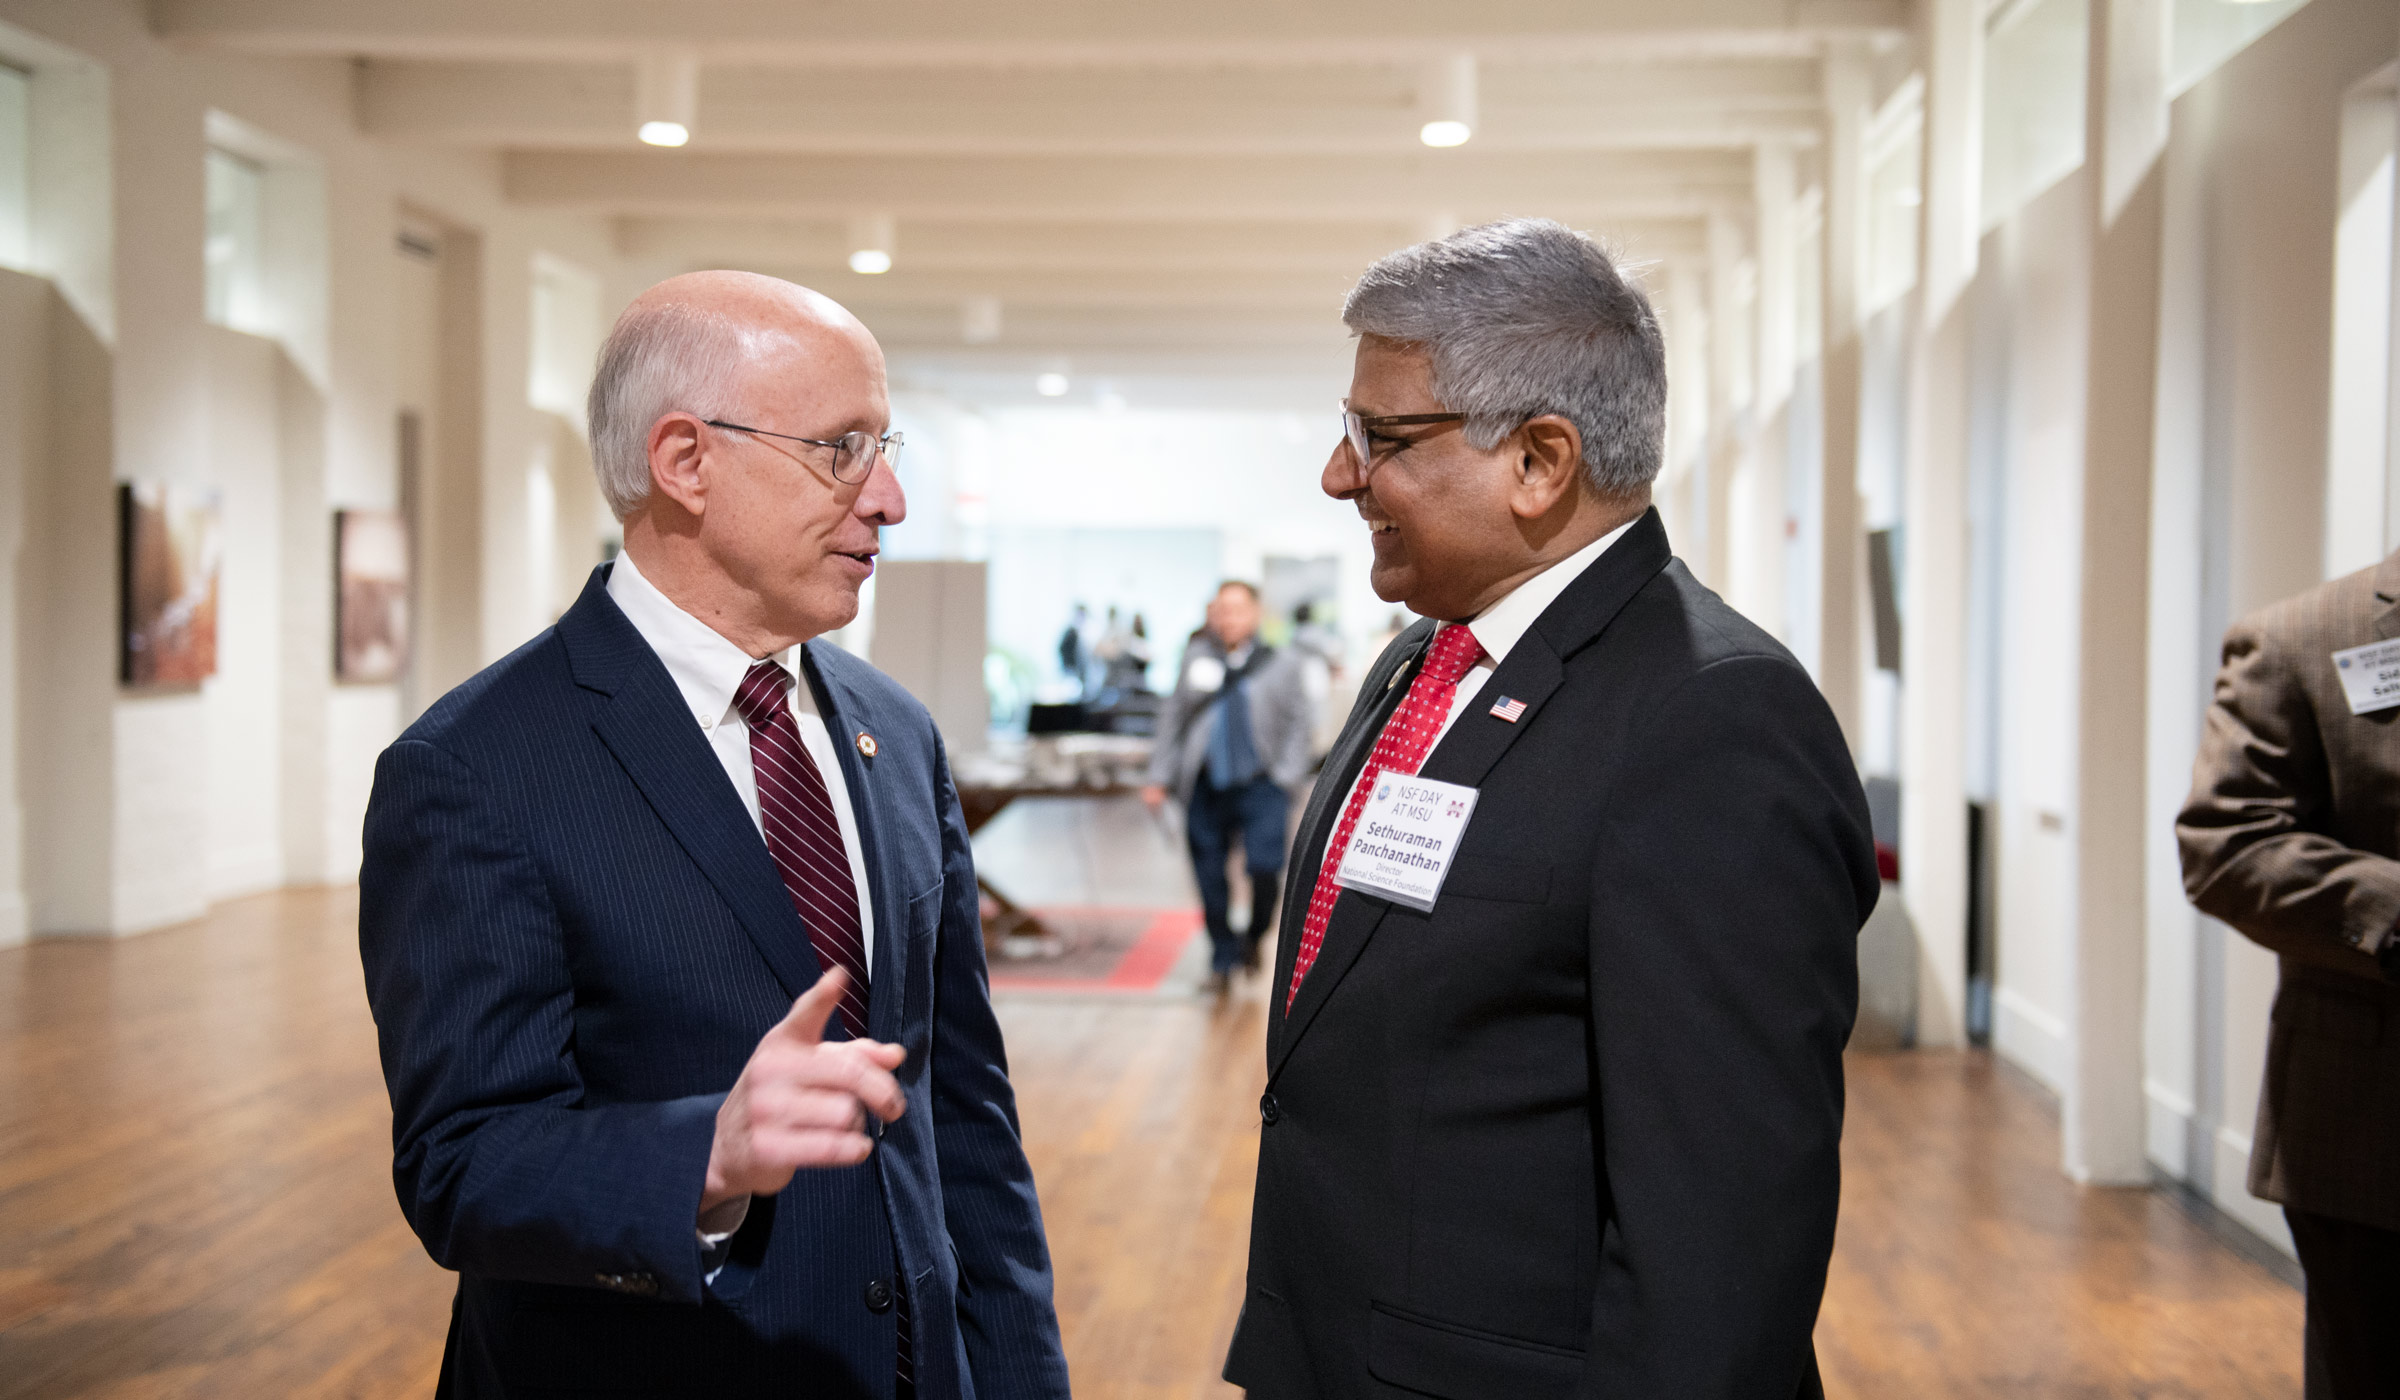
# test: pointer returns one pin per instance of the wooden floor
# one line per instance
(195, 1199)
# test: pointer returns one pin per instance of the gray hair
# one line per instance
(659, 359)
(1526, 317)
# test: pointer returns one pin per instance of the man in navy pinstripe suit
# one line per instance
(670, 929)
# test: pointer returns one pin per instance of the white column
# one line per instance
(2391, 421)
(1761, 530)
(1848, 97)
(1728, 429)
(2126, 133)
(1686, 505)
(1933, 802)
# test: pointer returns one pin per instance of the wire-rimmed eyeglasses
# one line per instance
(853, 452)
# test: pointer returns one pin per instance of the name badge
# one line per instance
(2370, 676)
(1205, 673)
(1405, 837)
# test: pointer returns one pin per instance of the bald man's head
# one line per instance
(696, 344)
(717, 410)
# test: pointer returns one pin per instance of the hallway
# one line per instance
(195, 1198)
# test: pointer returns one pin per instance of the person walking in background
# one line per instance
(1070, 648)
(1129, 670)
(599, 873)
(1233, 742)
(1554, 1095)
(2292, 835)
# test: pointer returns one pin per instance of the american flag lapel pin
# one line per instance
(1507, 709)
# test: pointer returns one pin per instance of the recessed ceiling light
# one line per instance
(1446, 100)
(666, 96)
(872, 240)
(1051, 385)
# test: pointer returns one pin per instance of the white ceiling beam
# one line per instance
(1070, 330)
(1552, 106)
(977, 33)
(1162, 290)
(1002, 249)
(1578, 187)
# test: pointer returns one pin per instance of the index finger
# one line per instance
(805, 1022)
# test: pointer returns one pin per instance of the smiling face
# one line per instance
(1453, 525)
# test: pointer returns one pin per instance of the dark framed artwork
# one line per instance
(370, 571)
(170, 554)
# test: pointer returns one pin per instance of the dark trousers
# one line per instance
(1255, 814)
(2353, 1270)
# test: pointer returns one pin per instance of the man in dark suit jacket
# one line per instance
(1575, 1128)
(599, 874)
(2292, 835)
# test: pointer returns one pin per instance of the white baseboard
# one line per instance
(2232, 1193)
(2033, 1039)
(16, 920)
(2168, 1129)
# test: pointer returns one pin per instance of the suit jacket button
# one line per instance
(1268, 1109)
(879, 1297)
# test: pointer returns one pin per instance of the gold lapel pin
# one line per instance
(866, 743)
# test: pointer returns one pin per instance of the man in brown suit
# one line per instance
(2292, 835)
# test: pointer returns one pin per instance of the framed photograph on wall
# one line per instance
(170, 553)
(370, 571)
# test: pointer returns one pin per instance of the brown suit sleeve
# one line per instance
(2251, 835)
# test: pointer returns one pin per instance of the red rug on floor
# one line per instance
(1102, 950)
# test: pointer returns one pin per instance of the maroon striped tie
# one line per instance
(802, 835)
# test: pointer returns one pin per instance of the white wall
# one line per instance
(151, 805)
(243, 702)
(2254, 202)
(2041, 265)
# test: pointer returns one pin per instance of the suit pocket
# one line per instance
(582, 1341)
(1509, 881)
(2328, 1014)
(1464, 1363)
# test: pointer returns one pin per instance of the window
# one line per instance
(565, 337)
(2034, 62)
(16, 196)
(1895, 151)
(236, 235)
(2208, 32)
(2361, 508)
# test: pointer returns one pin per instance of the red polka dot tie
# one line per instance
(1401, 748)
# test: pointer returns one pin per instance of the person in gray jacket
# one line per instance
(1233, 742)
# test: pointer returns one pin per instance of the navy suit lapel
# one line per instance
(645, 725)
(848, 715)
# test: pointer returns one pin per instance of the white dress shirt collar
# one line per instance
(1498, 627)
(706, 667)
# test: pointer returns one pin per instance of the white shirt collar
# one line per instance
(1499, 627)
(707, 668)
